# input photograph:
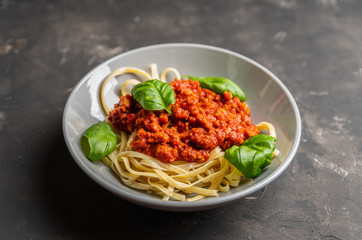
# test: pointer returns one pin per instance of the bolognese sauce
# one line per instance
(201, 121)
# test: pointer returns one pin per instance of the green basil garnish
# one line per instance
(154, 95)
(253, 155)
(98, 141)
(220, 85)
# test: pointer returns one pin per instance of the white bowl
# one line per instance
(267, 97)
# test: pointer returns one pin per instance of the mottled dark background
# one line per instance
(313, 46)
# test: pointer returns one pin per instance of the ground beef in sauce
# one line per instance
(201, 121)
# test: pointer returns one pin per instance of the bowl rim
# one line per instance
(175, 205)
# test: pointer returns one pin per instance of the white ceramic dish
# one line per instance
(267, 97)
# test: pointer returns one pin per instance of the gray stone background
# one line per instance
(313, 46)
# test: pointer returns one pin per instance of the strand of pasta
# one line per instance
(126, 84)
(115, 73)
(268, 126)
(265, 125)
(154, 72)
(164, 73)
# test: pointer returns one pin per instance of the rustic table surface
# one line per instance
(314, 47)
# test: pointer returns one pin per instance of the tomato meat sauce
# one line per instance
(201, 121)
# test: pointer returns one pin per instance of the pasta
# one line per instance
(180, 180)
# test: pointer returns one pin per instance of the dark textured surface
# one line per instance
(314, 47)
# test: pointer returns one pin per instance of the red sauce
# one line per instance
(201, 121)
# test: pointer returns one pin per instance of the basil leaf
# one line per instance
(219, 85)
(253, 155)
(154, 95)
(98, 141)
